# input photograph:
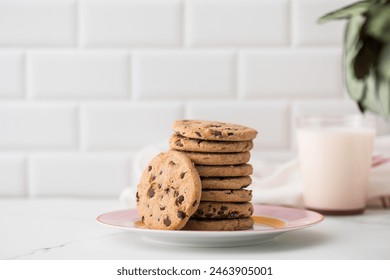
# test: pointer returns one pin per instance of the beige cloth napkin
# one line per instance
(280, 184)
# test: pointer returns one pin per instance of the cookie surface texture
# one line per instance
(216, 131)
(226, 183)
(218, 158)
(169, 191)
(181, 143)
(224, 170)
(226, 195)
(223, 210)
(218, 225)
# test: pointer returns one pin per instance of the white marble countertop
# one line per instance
(66, 229)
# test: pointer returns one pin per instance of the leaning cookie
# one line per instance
(223, 210)
(216, 131)
(169, 191)
(219, 225)
(181, 143)
(218, 158)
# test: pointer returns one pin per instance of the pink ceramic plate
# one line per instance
(270, 221)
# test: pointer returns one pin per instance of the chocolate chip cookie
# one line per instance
(223, 210)
(225, 183)
(224, 170)
(218, 158)
(216, 131)
(226, 195)
(181, 143)
(169, 191)
(219, 225)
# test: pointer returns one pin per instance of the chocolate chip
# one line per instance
(180, 199)
(233, 214)
(171, 164)
(175, 193)
(199, 212)
(149, 168)
(142, 218)
(181, 214)
(220, 213)
(161, 172)
(216, 133)
(151, 192)
(159, 186)
(198, 133)
(152, 178)
(162, 208)
(214, 210)
(223, 208)
(179, 143)
(167, 221)
(182, 175)
(137, 196)
(195, 202)
(230, 133)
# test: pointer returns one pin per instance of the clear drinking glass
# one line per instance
(335, 155)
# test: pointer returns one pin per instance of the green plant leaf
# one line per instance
(378, 23)
(384, 63)
(352, 44)
(369, 102)
(367, 56)
(354, 9)
(384, 96)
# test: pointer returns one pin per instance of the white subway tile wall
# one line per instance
(12, 175)
(11, 74)
(78, 174)
(184, 74)
(303, 72)
(232, 22)
(38, 23)
(86, 84)
(131, 23)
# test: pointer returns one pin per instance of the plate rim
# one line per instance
(199, 233)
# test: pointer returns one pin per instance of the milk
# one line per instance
(335, 163)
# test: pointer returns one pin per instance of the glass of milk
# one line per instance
(335, 156)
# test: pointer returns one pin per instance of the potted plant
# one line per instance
(367, 53)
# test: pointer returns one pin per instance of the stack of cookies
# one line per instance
(220, 152)
(200, 183)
